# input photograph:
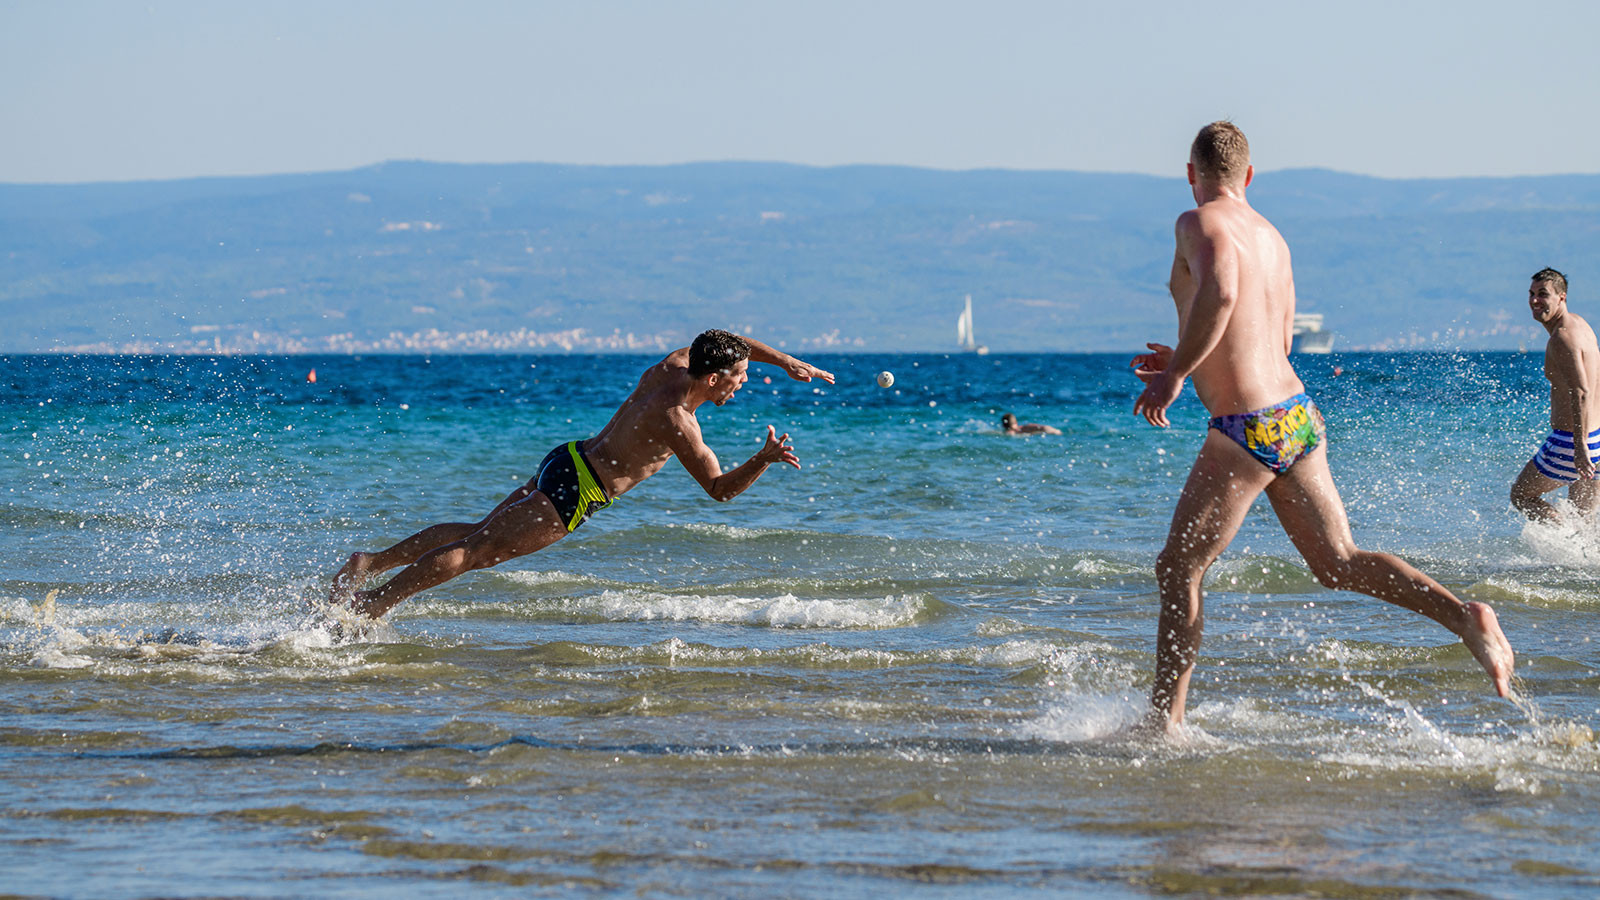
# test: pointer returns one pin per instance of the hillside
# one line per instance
(435, 257)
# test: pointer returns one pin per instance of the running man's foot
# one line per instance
(350, 577)
(1158, 725)
(1489, 646)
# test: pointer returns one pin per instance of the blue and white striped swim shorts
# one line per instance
(1554, 459)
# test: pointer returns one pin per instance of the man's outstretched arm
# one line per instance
(799, 371)
(691, 450)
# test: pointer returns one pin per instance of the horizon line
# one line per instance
(93, 182)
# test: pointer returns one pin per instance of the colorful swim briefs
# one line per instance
(1279, 435)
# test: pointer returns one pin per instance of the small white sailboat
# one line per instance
(964, 336)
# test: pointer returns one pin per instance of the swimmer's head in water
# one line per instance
(716, 351)
(1008, 421)
(1220, 153)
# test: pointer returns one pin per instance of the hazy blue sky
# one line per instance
(136, 90)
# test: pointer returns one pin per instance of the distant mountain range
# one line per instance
(427, 257)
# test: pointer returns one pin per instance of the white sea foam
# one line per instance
(1398, 737)
(727, 532)
(1093, 694)
(680, 652)
(1085, 717)
(60, 650)
(785, 611)
(1248, 718)
(1569, 540)
(1012, 653)
(535, 577)
(127, 637)
(1541, 595)
(1341, 653)
(1091, 667)
(1100, 567)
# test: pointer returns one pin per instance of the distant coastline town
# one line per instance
(207, 341)
(431, 340)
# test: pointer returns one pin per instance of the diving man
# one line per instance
(657, 422)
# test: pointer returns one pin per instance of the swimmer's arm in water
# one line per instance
(1213, 263)
(799, 371)
(1564, 363)
(684, 438)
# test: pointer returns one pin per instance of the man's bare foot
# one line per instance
(1154, 725)
(350, 577)
(1489, 646)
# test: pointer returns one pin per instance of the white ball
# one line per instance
(885, 379)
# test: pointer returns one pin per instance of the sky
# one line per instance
(118, 91)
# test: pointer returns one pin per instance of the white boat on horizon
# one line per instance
(1309, 336)
(964, 337)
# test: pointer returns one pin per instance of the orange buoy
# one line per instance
(311, 377)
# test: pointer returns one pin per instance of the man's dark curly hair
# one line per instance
(716, 351)
(1557, 280)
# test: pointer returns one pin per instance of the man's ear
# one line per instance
(1249, 175)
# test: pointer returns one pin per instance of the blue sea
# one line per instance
(902, 668)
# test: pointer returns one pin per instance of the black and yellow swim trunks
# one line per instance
(569, 481)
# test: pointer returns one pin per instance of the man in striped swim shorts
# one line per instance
(1572, 364)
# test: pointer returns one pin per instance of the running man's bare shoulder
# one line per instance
(1582, 333)
(1203, 231)
(1571, 339)
(1188, 227)
(1564, 356)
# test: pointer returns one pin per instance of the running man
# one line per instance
(1234, 289)
(1572, 365)
(577, 479)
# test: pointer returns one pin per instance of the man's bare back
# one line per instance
(1225, 246)
(655, 423)
(1234, 288)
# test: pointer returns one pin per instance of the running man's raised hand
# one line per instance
(1147, 365)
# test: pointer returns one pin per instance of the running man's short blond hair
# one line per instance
(1220, 153)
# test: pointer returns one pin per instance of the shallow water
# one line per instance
(905, 664)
